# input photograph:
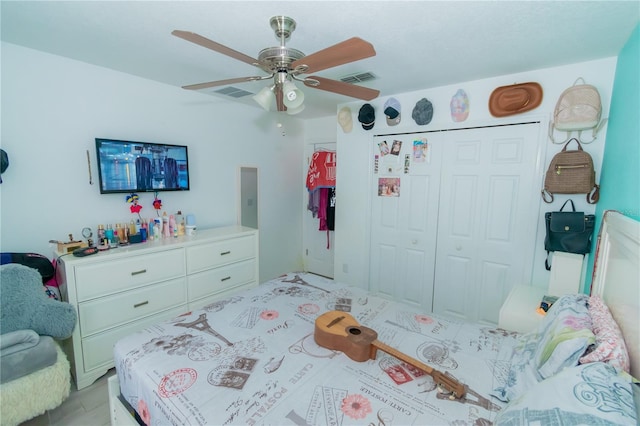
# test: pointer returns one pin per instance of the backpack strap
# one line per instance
(573, 206)
(594, 195)
(553, 140)
(564, 149)
(594, 131)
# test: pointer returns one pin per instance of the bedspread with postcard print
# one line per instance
(252, 359)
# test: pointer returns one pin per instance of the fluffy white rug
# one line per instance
(34, 394)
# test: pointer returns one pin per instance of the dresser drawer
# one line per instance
(104, 278)
(100, 314)
(215, 280)
(97, 350)
(205, 256)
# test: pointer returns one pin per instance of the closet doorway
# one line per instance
(317, 245)
(248, 209)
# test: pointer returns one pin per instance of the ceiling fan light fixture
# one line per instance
(286, 65)
(265, 97)
(293, 97)
(294, 111)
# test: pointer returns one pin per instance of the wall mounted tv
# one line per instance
(128, 166)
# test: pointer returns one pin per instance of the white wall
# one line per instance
(355, 162)
(53, 108)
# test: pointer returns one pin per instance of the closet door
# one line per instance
(489, 199)
(404, 218)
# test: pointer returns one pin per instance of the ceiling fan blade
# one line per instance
(280, 99)
(216, 47)
(219, 83)
(341, 88)
(350, 50)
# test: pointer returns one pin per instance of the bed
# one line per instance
(252, 358)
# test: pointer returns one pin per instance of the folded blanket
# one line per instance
(16, 341)
(22, 354)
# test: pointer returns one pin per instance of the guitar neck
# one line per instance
(402, 357)
(448, 382)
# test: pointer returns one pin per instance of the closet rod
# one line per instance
(315, 146)
(458, 128)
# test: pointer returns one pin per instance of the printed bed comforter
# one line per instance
(251, 359)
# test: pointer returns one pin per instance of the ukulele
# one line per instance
(340, 331)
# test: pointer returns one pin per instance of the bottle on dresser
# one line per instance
(109, 235)
(143, 230)
(173, 230)
(101, 234)
(180, 223)
(157, 228)
(166, 233)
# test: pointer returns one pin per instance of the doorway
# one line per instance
(248, 210)
(317, 245)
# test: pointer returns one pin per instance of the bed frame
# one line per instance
(616, 279)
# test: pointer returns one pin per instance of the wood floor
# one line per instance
(86, 407)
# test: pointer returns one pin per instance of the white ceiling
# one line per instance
(419, 44)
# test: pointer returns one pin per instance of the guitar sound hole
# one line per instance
(354, 331)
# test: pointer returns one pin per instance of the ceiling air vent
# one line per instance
(358, 77)
(233, 92)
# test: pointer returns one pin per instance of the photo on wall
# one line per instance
(389, 187)
(396, 147)
(420, 150)
(384, 148)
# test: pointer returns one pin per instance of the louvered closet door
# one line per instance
(489, 200)
(403, 227)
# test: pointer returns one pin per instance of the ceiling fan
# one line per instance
(285, 64)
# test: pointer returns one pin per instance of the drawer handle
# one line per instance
(225, 279)
(137, 305)
(225, 252)
(143, 271)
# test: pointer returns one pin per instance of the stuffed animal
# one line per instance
(25, 305)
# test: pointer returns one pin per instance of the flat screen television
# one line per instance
(128, 166)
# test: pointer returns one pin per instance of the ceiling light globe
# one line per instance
(293, 97)
(294, 111)
(265, 98)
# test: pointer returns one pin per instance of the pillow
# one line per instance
(610, 346)
(24, 306)
(587, 394)
(565, 335)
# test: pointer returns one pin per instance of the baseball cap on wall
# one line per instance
(459, 106)
(422, 112)
(345, 120)
(392, 111)
(367, 116)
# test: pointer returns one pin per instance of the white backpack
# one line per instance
(578, 108)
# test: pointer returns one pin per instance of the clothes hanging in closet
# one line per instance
(321, 184)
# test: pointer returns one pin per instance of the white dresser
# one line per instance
(122, 290)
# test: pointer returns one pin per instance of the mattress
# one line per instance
(251, 359)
